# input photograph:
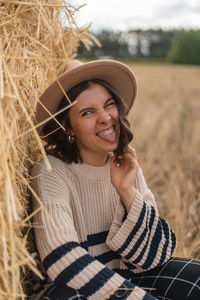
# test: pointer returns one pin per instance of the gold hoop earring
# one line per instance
(71, 139)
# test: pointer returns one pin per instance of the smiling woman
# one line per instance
(107, 240)
(99, 111)
(95, 124)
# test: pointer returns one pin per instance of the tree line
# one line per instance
(175, 46)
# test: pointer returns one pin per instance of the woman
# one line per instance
(100, 235)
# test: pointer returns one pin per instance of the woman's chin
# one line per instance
(112, 148)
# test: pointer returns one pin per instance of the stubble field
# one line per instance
(166, 124)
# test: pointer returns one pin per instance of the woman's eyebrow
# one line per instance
(111, 98)
(91, 108)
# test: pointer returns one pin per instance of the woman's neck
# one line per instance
(95, 160)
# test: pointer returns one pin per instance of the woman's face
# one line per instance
(94, 121)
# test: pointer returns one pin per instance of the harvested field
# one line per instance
(166, 125)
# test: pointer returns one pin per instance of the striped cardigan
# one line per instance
(86, 239)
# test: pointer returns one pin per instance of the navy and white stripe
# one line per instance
(84, 263)
(98, 283)
(148, 243)
(72, 264)
(89, 242)
(178, 274)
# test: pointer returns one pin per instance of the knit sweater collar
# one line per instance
(87, 171)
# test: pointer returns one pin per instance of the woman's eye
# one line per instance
(86, 113)
(110, 103)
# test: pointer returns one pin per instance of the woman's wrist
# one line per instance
(127, 197)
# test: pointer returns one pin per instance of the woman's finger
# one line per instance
(131, 150)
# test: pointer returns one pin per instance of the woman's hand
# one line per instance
(123, 170)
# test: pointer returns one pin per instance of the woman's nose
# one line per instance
(103, 116)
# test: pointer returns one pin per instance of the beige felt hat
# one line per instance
(119, 75)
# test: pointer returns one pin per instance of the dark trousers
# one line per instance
(178, 279)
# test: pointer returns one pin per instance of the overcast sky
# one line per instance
(125, 14)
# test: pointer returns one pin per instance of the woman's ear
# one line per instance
(68, 130)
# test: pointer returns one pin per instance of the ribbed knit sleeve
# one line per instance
(63, 257)
(141, 237)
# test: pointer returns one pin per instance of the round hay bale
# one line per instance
(35, 39)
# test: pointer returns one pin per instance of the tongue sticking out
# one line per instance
(109, 136)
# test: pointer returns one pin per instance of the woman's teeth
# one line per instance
(106, 132)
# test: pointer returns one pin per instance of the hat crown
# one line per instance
(72, 64)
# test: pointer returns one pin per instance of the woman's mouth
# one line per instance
(108, 134)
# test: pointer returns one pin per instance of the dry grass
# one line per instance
(166, 125)
(34, 43)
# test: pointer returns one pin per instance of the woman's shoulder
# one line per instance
(50, 183)
(48, 165)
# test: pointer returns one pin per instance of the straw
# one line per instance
(36, 37)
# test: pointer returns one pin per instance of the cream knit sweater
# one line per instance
(86, 239)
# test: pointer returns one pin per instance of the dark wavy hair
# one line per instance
(57, 143)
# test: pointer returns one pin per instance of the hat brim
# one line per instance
(116, 73)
